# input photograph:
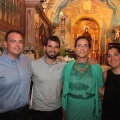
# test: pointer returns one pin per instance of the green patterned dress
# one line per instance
(81, 98)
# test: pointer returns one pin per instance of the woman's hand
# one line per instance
(92, 61)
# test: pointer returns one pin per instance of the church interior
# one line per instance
(38, 19)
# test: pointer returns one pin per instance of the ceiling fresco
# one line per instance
(53, 7)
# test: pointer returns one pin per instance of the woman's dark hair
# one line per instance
(114, 46)
(82, 37)
(12, 31)
(52, 38)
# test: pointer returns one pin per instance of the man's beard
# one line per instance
(52, 57)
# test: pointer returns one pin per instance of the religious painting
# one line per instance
(42, 34)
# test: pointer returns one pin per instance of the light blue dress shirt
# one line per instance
(14, 82)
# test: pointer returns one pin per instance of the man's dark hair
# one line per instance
(12, 31)
(82, 37)
(52, 38)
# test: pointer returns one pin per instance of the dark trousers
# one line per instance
(18, 114)
(46, 115)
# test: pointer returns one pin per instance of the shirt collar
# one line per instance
(7, 58)
(52, 63)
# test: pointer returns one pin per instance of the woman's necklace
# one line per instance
(82, 69)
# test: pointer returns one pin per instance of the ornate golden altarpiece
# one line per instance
(88, 14)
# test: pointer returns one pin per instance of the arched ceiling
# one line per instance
(97, 12)
(53, 7)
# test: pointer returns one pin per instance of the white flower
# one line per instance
(68, 59)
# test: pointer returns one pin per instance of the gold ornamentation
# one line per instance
(87, 5)
(84, 68)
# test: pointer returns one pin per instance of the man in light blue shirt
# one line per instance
(14, 79)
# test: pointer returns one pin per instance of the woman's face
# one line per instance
(82, 48)
(113, 57)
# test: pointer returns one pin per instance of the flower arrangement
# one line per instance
(65, 55)
(63, 52)
(68, 59)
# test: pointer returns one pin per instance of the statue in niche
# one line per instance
(116, 32)
(87, 34)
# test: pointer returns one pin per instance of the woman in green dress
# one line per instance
(82, 84)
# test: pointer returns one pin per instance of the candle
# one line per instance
(94, 43)
(105, 42)
(99, 45)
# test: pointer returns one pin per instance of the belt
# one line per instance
(18, 110)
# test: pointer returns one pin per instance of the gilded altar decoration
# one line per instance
(11, 11)
(87, 5)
